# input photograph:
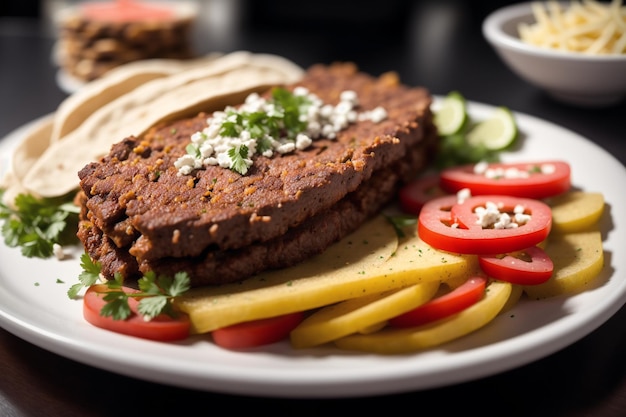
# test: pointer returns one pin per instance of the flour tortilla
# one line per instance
(75, 109)
(117, 82)
(36, 139)
(225, 80)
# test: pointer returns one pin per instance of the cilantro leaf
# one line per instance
(151, 307)
(180, 285)
(116, 306)
(156, 294)
(291, 106)
(36, 224)
(88, 277)
(238, 155)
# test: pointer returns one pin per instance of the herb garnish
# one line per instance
(285, 122)
(401, 222)
(238, 156)
(36, 224)
(156, 292)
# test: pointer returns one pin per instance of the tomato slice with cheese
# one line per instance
(531, 266)
(456, 227)
(538, 180)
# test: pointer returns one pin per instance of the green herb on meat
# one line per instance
(238, 156)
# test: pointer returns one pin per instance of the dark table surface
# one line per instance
(437, 44)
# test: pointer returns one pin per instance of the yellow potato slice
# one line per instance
(369, 261)
(578, 259)
(342, 319)
(332, 276)
(576, 211)
(516, 293)
(396, 341)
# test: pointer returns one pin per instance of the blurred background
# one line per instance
(414, 38)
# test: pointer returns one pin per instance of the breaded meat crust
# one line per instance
(139, 214)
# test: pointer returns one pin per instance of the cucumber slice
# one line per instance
(496, 133)
(450, 118)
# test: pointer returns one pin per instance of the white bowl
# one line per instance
(569, 77)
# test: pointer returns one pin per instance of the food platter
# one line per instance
(35, 307)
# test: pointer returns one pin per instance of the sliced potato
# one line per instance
(347, 317)
(346, 270)
(576, 211)
(516, 293)
(335, 275)
(396, 341)
(578, 259)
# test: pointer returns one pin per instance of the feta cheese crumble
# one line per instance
(287, 122)
(58, 251)
(491, 216)
(483, 168)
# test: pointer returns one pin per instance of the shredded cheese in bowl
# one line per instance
(587, 26)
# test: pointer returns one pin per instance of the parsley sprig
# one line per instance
(238, 156)
(36, 224)
(156, 293)
(283, 121)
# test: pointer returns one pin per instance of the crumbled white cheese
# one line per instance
(483, 168)
(58, 251)
(463, 194)
(490, 216)
(209, 147)
(376, 115)
(548, 169)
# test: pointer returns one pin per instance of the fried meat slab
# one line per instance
(139, 214)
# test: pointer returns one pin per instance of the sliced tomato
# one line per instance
(257, 332)
(453, 227)
(528, 267)
(162, 327)
(538, 180)
(446, 305)
(416, 193)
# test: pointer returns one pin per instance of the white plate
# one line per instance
(34, 306)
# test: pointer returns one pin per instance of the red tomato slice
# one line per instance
(437, 220)
(553, 180)
(438, 308)
(162, 328)
(415, 194)
(528, 267)
(257, 332)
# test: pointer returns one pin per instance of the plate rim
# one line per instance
(485, 361)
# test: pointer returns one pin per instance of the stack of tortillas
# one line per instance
(128, 101)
